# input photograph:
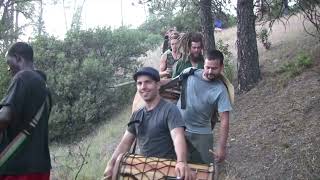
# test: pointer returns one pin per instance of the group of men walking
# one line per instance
(163, 129)
(181, 132)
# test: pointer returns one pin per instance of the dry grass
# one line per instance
(272, 130)
(67, 159)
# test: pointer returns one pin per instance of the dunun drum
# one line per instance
(137, 167)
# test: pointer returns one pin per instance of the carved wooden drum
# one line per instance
(137, 167)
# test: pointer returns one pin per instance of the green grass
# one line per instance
(297, 66)
(67, 159)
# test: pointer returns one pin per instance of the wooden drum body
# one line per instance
(137, 167)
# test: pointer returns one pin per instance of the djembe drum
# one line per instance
(137, 167)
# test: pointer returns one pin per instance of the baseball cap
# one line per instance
(148, 71)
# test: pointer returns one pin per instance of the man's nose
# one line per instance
(143, 85)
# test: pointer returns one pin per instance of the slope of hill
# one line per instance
(274, 132)
(274, 129)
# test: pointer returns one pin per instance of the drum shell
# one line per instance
(134, 167)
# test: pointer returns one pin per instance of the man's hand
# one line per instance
(219, 155)
(108, 172)
(188, 70)
(183, 171)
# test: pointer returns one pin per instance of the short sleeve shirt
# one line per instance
(153, 129)
(202, 97)
(26, 94)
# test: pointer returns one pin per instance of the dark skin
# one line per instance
(5, 117)
(15, 63)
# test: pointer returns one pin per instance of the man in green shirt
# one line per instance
(193, 56)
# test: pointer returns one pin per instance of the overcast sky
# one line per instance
(95, 13)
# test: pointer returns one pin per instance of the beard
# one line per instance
(212, 77)
(197, 58)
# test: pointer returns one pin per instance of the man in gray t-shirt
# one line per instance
(158, 127)
(205, 92)
(152, 129)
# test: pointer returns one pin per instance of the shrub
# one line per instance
(4, 77)
(228, 65)
(297, 66)
(81, 71)
(263, 37)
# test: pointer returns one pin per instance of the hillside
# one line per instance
(274, 129)
(274, 133)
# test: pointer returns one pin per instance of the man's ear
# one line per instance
(18, 58)
(222, 67)
(158, 85)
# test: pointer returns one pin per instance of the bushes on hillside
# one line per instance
(81, 70)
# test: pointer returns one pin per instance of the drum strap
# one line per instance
(136, 122)
(22, 136)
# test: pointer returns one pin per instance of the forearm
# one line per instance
(120, 149)
(180, 147)
(124, 146)
(224, 131)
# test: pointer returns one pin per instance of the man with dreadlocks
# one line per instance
(191, 45)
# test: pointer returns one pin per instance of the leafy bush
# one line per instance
(294, 68)
(228, 65)
(153, 41)
(81, 71)
(263, 37)
(4, 77)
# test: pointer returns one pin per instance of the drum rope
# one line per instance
(150, 168)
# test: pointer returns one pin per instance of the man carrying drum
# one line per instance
(158, 127)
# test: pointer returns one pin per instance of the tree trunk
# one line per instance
(207, 24)
(248, 60)
(40, 19)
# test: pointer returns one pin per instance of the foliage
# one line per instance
(263, 37)
(4, 76)
(311, 13)
(82, 69)
(187, 21)
(184, 15)
(270, 11)
(93, 152)
(296, 67)
(228, 65)
(230, 21)
(10, 27)
(153, 41)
